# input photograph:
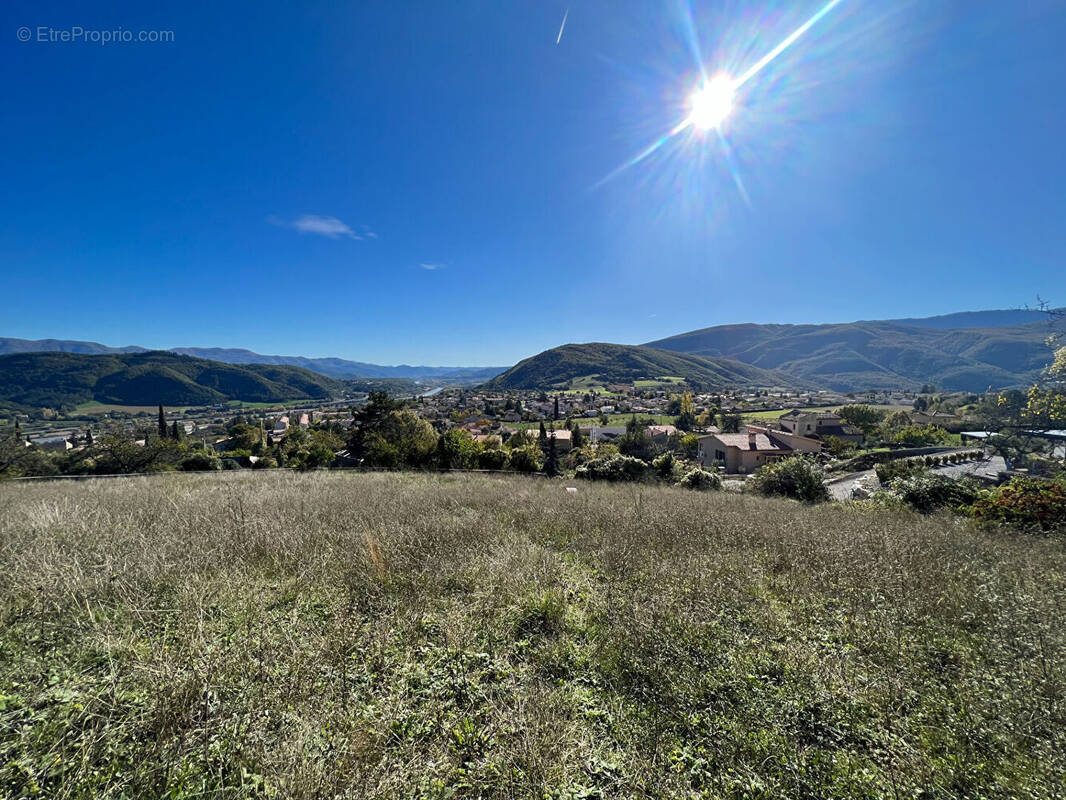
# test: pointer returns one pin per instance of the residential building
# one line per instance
(819, 424)
(745, 452)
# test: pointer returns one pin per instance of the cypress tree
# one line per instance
(89, 437)
(551, 464)
(556, 406)
(542, 439)
(162, 423)
(175, 432)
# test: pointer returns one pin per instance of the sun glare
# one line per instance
(711, 103)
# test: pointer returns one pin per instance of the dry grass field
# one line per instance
(419, 636)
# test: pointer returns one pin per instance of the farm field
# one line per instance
(384, 635)
(754, 416)
(616, 420)
(109, 408)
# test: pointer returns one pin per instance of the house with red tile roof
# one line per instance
(743, 453)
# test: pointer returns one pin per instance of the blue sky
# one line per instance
(427, 182)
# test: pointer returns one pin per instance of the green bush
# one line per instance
(664, 466)
(929, 492)
(795, 477)
(199, 462)
(527, 458)
(492, 458)
(700, 480)
(890, 470)
(1026, 503)
(613, 468)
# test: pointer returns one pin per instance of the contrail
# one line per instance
(559, 38)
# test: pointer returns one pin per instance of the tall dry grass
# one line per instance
(390, 635)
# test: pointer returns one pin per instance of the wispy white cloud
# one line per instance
(330, 227)
(431, 266)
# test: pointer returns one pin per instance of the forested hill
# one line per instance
(873, 355)
(340, 368)
(620, 363)
(65, 380)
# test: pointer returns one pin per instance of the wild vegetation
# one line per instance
(619, 363)
(65, 380)
(339, 368)
(1009, 349)
(389, 635)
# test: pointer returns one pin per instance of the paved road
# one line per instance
(841, 489)
(990, 468)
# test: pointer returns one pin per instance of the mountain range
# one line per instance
(621, 363)
(967, 351)
(883, 355)
(64, 380)
(332, 367)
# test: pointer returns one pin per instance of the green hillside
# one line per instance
(862, 355)
(619, 363)
(65, 380)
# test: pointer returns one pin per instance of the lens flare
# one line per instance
(711, 103)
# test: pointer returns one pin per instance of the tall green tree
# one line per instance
(729, 423)
(162, 423)
(862, 416)
(551, 463)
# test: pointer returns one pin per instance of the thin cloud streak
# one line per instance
(330, 227)
(559, 38)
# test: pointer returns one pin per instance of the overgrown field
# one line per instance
(400, 636)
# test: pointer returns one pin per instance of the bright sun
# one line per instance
(711, 103)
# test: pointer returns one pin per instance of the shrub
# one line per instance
(930, 492)
(700, 480)
(664, 466)
(890, 470)
(492, 458)
(795, 477)
(838, 447)
(199, 462)
(613, 468)
(527, 458)
(916, 435)
(1027, 503)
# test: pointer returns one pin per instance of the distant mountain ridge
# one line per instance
(331, 367)
(63, 380)
(622, 363)
(885, 354)
(999, 318)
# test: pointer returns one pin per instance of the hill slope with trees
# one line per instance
(339, 368)
(621, 363)
(64, 380)
(864, 355)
